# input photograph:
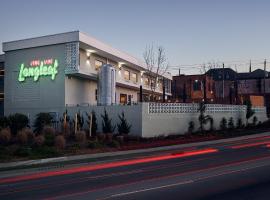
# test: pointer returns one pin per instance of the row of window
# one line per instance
(129, 76)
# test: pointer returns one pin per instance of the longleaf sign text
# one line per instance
(38, 68)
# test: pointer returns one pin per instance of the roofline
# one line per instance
(74, 36)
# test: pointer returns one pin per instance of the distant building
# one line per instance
(193, 88)
(2, 72)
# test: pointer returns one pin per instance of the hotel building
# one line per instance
(48, 73)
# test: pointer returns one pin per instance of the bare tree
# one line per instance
(156, 63)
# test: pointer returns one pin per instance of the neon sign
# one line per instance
(38, 68)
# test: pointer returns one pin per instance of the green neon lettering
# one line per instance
(36, 72)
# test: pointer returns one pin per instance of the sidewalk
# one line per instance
(101, 157)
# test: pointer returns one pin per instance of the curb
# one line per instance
(122, 153)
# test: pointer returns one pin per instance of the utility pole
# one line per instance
(223, 82)
(264, 82)
(250, 66)
(179, 71)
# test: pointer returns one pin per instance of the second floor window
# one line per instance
(197, 85)
(134, 78)
(126, 75)
(98, 64)
(146, 81)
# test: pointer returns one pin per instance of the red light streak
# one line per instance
(106, 165)
(249, 145)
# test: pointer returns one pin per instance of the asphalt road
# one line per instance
(226, 171)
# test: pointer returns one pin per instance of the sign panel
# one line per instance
(38, 68)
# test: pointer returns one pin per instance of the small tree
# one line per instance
(4, 122)
(80, 121)
(94, 123)
(191, 127)
(231, 123)
(223, 123)
(17, 122)
(254, 121)
(107, 126)
(204, 119)
(239, 123)
(250, 112)
(42, 119)
(123, 127)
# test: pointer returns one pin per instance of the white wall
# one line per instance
(155, 119)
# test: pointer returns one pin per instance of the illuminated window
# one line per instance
(126, 75)
(98, 64)
(146, 81)
(134, 77)
(197, 85)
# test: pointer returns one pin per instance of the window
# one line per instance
(126, 75)
(146, 81)
(96, 93)
(123, 99)
(98, 64)
(197, 85)
(134, 77)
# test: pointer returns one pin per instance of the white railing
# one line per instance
(194, 107)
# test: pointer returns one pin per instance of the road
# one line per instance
(235, 170)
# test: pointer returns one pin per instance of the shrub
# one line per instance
(17, 122)
(23, 151)
(120, 139)
(239, 123)
(94, 144)
(80, 136)
(123, 127)
(94, 123)
(250, 112)
(29, 133)
(49, 134)
(44, 152)
(5, 136)
(231, 123)
(60, 142)
(4, 122)
(22, 137)
(42, 119)
(39, 140)
(223, 123)
(254, 121)
(107, 126)
(114, 144)
(101, 137)
(191, 127)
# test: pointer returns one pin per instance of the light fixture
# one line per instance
(120, 65)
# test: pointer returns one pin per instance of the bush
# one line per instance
(22, 137)
(107, 126)
(254, 121)
(44, 152)
(231, 123)
(4, 122)
(191, 127)
(80, 136)
(114, 144)
(42, 120)
(223, 123)
(239, 123)
(60, 142)
(23, 151)
(94, 144)
(17, 122)
(5, 136)
(101, 137)
(49, 134)
(39, 140)
(123, 127)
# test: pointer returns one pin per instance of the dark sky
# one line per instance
(191, 31)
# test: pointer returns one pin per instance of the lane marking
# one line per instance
(153, 188)
(185, 182)
(154, 178)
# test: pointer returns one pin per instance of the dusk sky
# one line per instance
(192, 32)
